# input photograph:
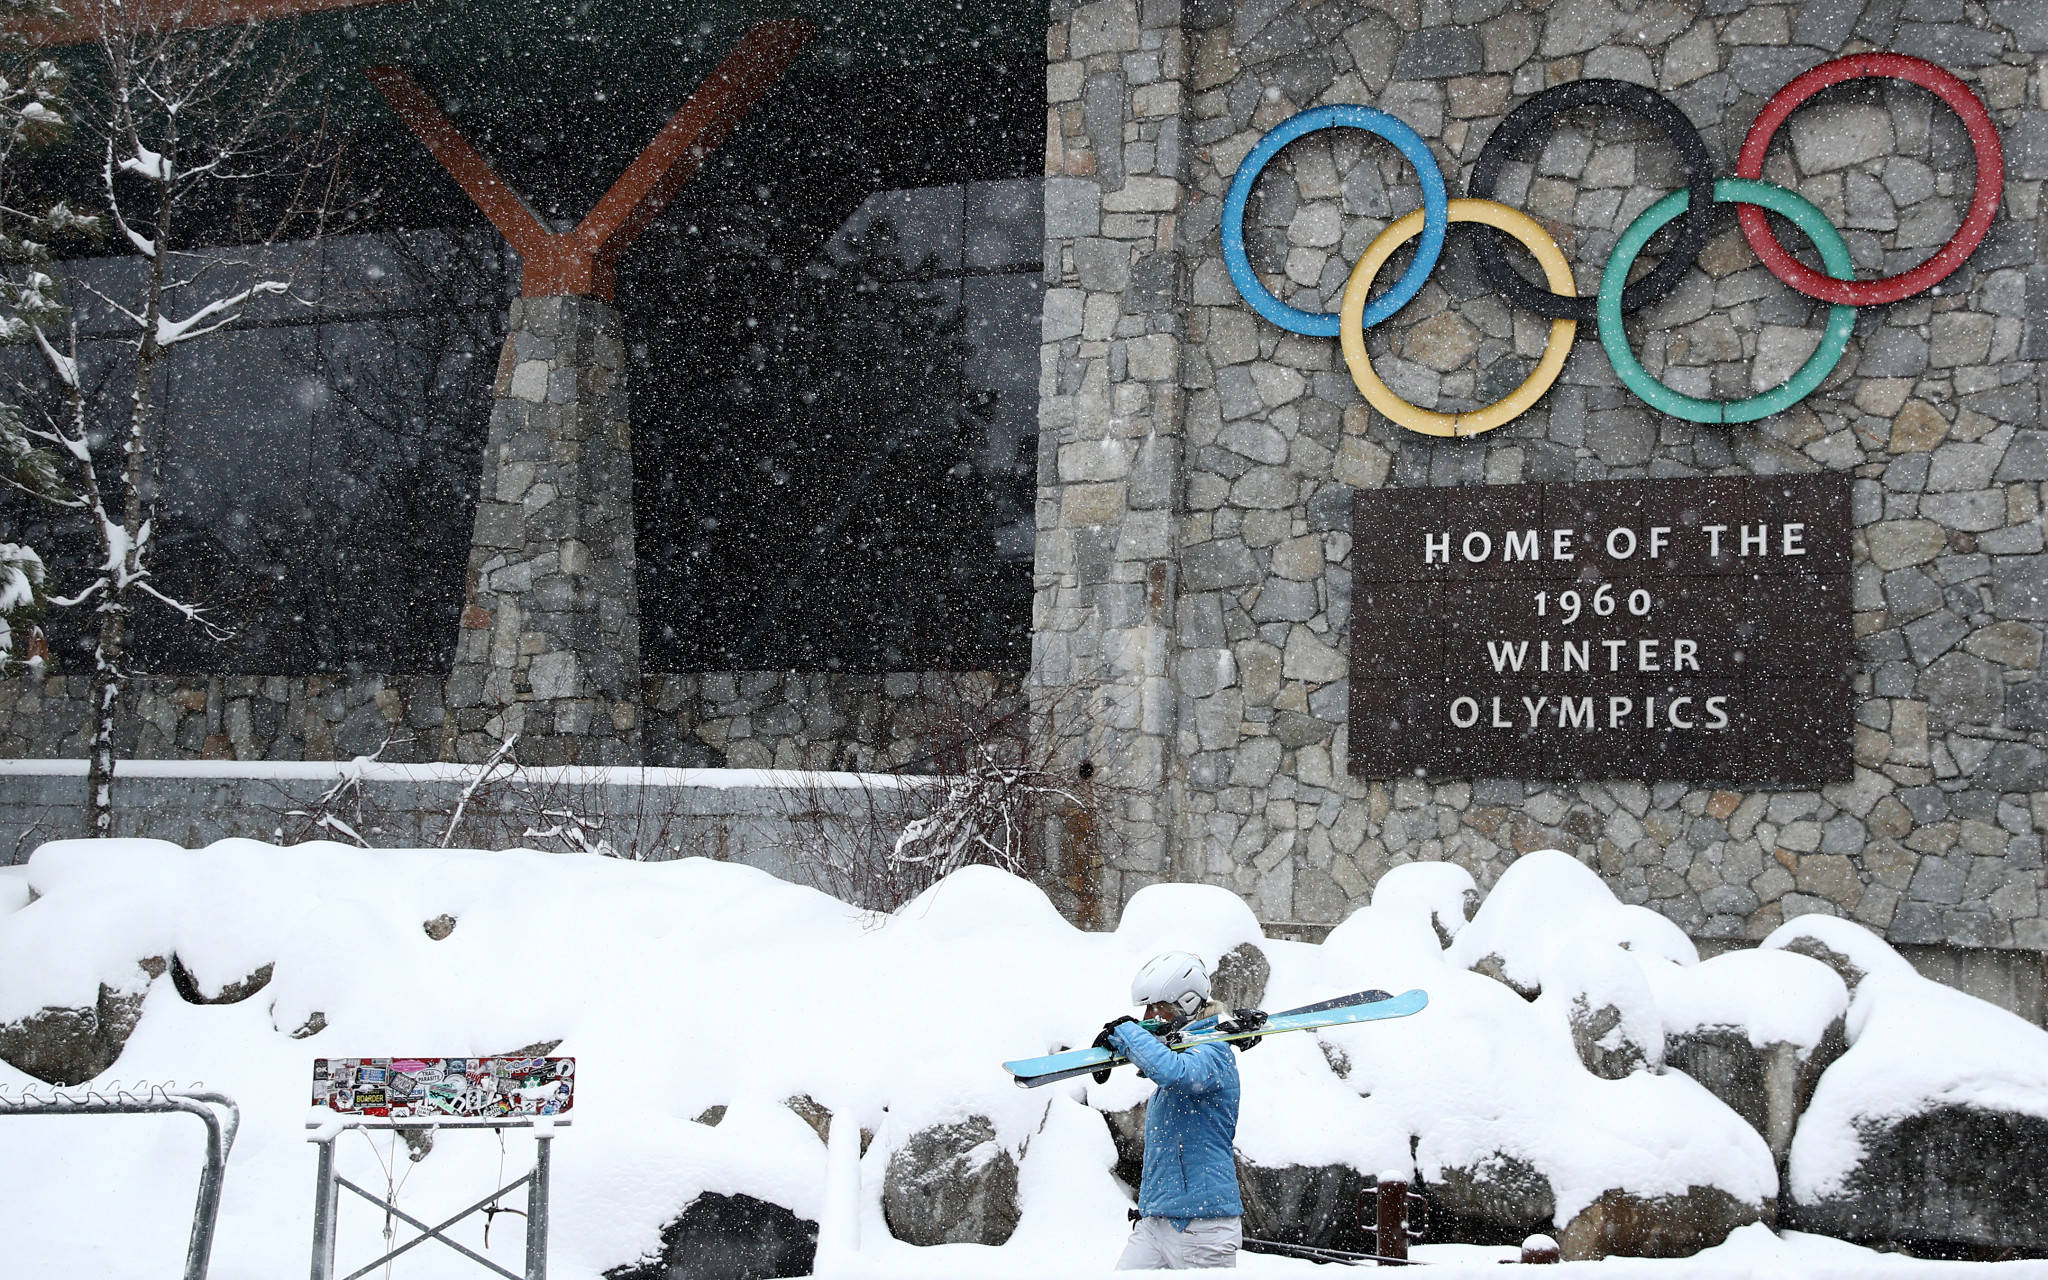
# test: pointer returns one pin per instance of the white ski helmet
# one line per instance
(1177, 978)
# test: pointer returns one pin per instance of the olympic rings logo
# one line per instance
(1561, 302)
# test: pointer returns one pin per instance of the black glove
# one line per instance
(1102, 1041)
(1242, 1020)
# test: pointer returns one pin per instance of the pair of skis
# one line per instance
(1360, 1006)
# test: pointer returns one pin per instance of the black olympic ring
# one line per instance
(1693, 230)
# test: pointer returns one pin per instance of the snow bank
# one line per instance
(692, 985)
(1914, 1045)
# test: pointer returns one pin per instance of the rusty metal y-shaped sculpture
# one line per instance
(582, 262)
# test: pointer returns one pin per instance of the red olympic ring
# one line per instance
(1983, 206)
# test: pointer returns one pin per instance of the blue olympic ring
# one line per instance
(1436, 218)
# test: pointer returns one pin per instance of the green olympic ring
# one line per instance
(1834, 253)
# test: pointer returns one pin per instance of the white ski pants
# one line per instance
(1156, 1246)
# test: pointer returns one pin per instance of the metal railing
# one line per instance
(216, 1111)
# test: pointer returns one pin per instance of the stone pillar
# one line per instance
(550, 641)
(1109, 435)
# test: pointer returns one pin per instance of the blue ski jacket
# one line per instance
(1190, 1122)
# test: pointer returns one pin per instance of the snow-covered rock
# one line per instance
(1301, 1204)
(1930, 1126)
(1757, 1028)
(951, 1184)
(1512, 1133)
(1549, 905)
(1239, 980)
(744, 1193)
(1441, 893)
(1656, 1226)
(720, 1236)
(1208, 920)
(188, 986)
(66, 1046)
(1314, 1205)
(1293, 1192)
(1601, 994)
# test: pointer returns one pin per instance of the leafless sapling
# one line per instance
(179, 120)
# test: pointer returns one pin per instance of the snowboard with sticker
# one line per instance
(1364, 1006)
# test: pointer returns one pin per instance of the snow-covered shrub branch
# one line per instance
(993, 769)
(180, 122)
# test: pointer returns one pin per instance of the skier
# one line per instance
(1189, 1211)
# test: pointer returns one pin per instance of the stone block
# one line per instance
(1439, 53)
(1898, 544)
(1960, 338)
(1073, 208)
(1836, 135)
(1764, 69)
(1224, 562)
(555, 675)
(1152, 358)
(1952, 45)
(2019, 587)
(1138, 195)
(2012, 767)
(1102, 266)
(1826, 24)
(1306, 657)
(1107, 26)
(530, 381)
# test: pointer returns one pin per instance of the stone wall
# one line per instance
(902, 720)
(739, 720)
(1197, 463)
(319, 717)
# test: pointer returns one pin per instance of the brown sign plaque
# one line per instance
(1691, 629)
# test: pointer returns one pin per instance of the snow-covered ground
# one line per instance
(687, 985)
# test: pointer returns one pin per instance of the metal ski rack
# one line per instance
(112, 1099)
(327, 1192)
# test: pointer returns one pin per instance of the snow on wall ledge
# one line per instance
(701, 998)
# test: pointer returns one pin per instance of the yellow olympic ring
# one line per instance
(1557, 273)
